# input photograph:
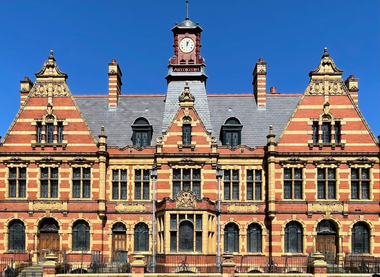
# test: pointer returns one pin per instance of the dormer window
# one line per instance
(142, 132)
(39, 132)
(326, 131)
(49, 132)
(231, 132)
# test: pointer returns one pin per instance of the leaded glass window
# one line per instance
(119, 184)
(49, 132)
(81, 236)
(254, 184)
(360, 181)
(17, 182)
(81, 182)
(326, 183)
(141, 237)
(337, 128)
(60, 132)
(49, 182)
(187, 179)
(293, 237)
(186, 134)
(16, 238)
(185, 234)
(39, 132)
(231, 132)
(315, 131)
(292, 183)
(360, 238)
(326, 132)
(254, 238)
(142, 184)
(142, 132)
(231, 238)
(231, 184)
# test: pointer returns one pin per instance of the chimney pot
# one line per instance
(26, 78)
(273, 90)
(113, 61)
(260, 60)
(352, 76)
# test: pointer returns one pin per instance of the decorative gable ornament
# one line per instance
(186, 96)
(50, 70)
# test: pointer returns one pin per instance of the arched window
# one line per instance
(81, 236)
(293, 237)
(231, 132)
(186, 237)
(142, 132)
(254, 238)
(360, 238)
(141, 237)
(16, 238)
(231, 238)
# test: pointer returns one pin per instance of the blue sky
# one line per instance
(289, 35)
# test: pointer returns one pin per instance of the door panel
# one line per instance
(119, 241)
(326, 244)
(48, 242)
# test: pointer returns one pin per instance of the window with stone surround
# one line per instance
(16, 237)
(187, 179)
(231, 238)
(360, 181)
(360, 238)
(17, 182)
(119, 184)
(185, 233)
(81, 182)
(186, 134)
(292, 183)
(81, 236)
(254, 184)
(142, 184)
(293, 237)
(326, 183)
(49, 182)
(49, 132)
(141, 235)
(231, 184)
(254, 234)
(142, 132)
(231, 132)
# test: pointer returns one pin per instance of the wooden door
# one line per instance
(119, 241)
(48, 242)
(326, 244)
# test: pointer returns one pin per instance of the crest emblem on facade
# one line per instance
(186, 199)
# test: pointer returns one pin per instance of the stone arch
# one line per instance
(334, 220)
(300, 221)
(39, 220)
(263, 227)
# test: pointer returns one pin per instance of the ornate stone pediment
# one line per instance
(327, 160)
(129, 207)
(293, 161)
(361, 161)
(247, 208)
(186, 199)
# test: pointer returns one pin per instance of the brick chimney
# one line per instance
(259, 83)
(114, 83)
(273, 90)
(352, 84)
(26, 87)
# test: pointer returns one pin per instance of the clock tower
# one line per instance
(186, 65)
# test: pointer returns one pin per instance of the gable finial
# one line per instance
(51, 53)
(187, 10)
(325, 54)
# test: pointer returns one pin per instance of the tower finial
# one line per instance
(187, 10)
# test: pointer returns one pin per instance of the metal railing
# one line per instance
(355, 264)
(177, 263)
(264, 264)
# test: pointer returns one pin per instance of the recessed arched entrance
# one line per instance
(327, 240)
(48, 237)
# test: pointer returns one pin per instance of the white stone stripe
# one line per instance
(55, 108)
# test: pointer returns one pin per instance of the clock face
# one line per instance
(186, 45)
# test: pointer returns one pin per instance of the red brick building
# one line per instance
(297, 173)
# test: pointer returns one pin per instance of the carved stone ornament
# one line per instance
(48, 205)
(327, 207)
(361, 161)
(59, 90)
(128, 207)
(293, 161)
(186, 95)
(237, 208)
(186, 199)
(327, 160)
(40, 91)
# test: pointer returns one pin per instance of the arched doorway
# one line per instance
(119, 242)
(48, 237)
(327, 240)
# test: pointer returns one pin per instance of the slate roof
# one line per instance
(255, 122)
